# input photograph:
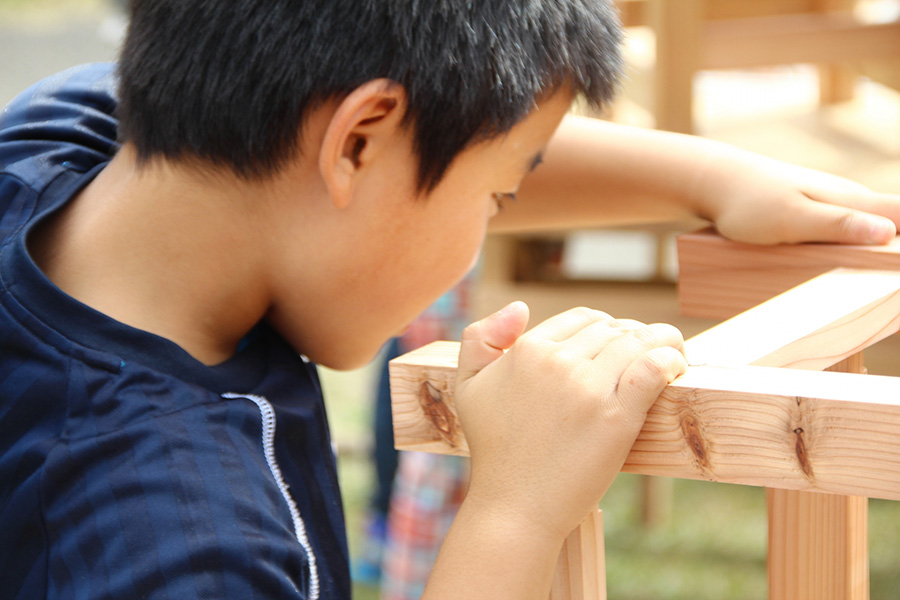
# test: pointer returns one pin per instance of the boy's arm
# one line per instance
(549, 424)
(600, 173)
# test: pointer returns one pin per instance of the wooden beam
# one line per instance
(811, 558)
(719, 278)
(763, 41)
(812, 326)
(678, 27)
(633, 12)
(819, 543)
(827, 432)
(748, 425)
(581, 569)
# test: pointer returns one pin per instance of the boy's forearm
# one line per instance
(600, 173)
(490, 555)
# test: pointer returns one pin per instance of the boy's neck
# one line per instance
(164, 249)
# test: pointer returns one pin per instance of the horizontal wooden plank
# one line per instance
(780, 428)
(633, 12)
(812, 326)
(762, 41)
(719, 278)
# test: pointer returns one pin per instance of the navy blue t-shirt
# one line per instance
(127, 468)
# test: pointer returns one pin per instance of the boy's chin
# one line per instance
(347, 361)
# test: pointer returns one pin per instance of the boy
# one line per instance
(306, 177)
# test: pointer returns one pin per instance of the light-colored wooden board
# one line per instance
(827, 432)
(746, 43)
(677, 24)
(719, 278)
(634, 11)
(581, 569)
(819, 543)
(803, 552)
(812, 326)
(817, 546)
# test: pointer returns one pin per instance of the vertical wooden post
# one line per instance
(581, 569)
(678, 25)
(499, 257)
(657, 495)
(836, 81)
(818, 543)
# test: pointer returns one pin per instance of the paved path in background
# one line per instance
(33, 50)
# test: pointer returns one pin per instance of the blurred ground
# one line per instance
(40, 37)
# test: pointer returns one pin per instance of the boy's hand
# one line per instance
(759, 200)
(550, 421)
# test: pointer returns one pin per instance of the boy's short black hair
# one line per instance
(230, 81)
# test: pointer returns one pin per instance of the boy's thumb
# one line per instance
(484, 341)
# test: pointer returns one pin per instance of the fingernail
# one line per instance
(881, 230)
(510, 307)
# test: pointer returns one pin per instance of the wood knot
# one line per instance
(800, 435)
(439, 413)
(690, 426)
(802, 453)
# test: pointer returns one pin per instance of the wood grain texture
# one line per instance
(794, 430)
(812, 326)
(817, 546)
(719, 278)
(422, 384)
(819, 543)
(827, 432)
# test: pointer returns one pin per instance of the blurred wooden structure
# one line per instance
(692, 35)
(823, 442)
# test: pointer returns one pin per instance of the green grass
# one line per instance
(713, 546)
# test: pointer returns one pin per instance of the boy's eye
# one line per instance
(501, 198)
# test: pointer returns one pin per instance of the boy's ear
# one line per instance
(359, 129)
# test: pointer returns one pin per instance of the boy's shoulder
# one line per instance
(68, 117)
(51, 136)
(116, 447)
(106, 467)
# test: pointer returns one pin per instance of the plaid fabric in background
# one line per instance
(428, 491)
(443, 320)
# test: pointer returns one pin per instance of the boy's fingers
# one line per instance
(645, 378)
(622, 351)
(484, 342)
(831, 223)
(567, 324)
(859, 197)
(592, 339)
